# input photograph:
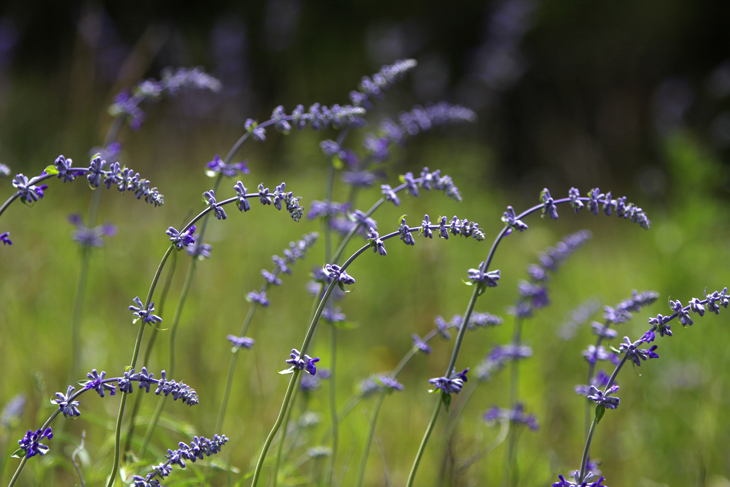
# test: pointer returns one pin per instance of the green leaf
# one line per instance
(288, 371)
(51, 169)
(446, 399)
(615, 350)
(337, 162)
(400, 218)
(19, 453)
(600, 410)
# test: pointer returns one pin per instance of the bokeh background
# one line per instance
(632, 97)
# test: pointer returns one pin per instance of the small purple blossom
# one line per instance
(488, 278)
(377, 242)
(145, 314)
(5, 238)
(336, 273)
(209, 198)
(242, 202)
(180, 240)
(405, 233)
(603, 399)
(229, 170)
(515, 416)
(420, 345)
(390, 195)
(510, 218)
(636, 354)
(450, 385)
(241, 342)
(549, 207)
(31, 442)
(96, 382)
(297, 362)
(66, 404)
(259, 298)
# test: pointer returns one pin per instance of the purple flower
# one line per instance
(252, 127)
(636, 354)
(510, 218)
(593, 354)
(4, 238)
(443, 328)
(31, 442)
(242, 202)
(66, 404)
(714, 300)
(420, 345)
(178, 390)
(577, 204)
(426, 227)
(405, 233)
(599, 397)
(63, 170)
(549, 207)
(389, 194)
(514, 416)
(600, 380)
(96, 382)
(241, 342)
(28, 193)
(488, 278)
(90, 237)
(377, 242)
(603, 331)
(297, 362)
(145, 314)
(450, 385)
(200, 250)
(209, 198)
(565, 483)
(682, 313)
(259, 298)
(336, 273)
(333, 315)
(95, 171)
(180, 240)
(145, 379)
(229, 170)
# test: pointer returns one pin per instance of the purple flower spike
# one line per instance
(405, 233)
(180, 240)
(297, 362)
(4, 238)
(96, 382)
(68, 407)
(549, 209)
(259, 298)
(336, 273)
(209, 198)
(510, 218)
(596, 395)
(31, 442)
(378, 245)
(636, 354)
(450, 385)
(229, 170)
(420, 345)
(145, 314)
(577, 204)
(390, 195)
(489, 278)
(241, 342)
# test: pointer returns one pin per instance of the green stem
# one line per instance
(422, 448)
(290, 389)
(584, 460)
(371, 434)
(148, 352)
(283, 435)
(329, 473)
(514, 383)
(135, 355)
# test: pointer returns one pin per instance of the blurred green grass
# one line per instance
(669, 430)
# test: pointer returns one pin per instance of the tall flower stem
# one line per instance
(280, 448)
(76, 319)
(510, 467)
(424, 441)
(371, 434)
(135, 355)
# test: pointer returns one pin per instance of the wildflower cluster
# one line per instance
(372, 87)
(31, 442)
(199, 448)
(90, 237)
(298, 362)
(500, 356)
(451, 384)
(378, 383)
(27, 192)
(126, 103)
(515, 415)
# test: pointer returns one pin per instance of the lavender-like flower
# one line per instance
(510, 218)
(333, 315)
(604, 399)
(420, 345)
(31, 442)
(450, 385)
(145, 314)
(389, 194)
(209, 198)
(636, 354)
(96, 381)
(90, 237)
(297, 362)
(487, 278)
(405, 233)
(600, 380)
(66, 404)
(28, 193)
(241, 342)
(199, 249)
(259, 298)
(5, 238)
(377, 242)
(566, 483)
(336, 273)
(184, 239)
(380, 81)
(242, 202)
(217, 166)
(514, 416)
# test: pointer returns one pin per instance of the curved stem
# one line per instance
(371, 434)
(76, 319)
(275, 428)
(280, 448)
(422, 448)
(584, 460)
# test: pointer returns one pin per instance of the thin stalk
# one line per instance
(514, 384)
(584, 460)
(283, 435)
(148, 351)
(277, 424)
(171, 370)
(422, 448)
(329, 472)
(371, 434)
(135, 355)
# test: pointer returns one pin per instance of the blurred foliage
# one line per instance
(627, 96)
